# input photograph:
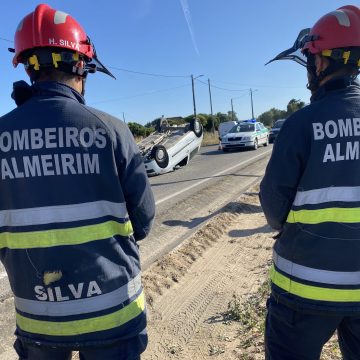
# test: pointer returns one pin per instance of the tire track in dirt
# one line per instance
(183, 318)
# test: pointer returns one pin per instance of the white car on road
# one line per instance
(171, 147)
(248, 133)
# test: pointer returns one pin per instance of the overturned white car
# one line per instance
(170, 147)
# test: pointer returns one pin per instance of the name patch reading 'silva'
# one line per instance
(338, 129)
(14, 166)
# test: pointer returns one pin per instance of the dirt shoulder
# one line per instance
(206, 299)
(190, 290)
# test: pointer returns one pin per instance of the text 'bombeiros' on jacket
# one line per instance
(311, 194)
(74, 198)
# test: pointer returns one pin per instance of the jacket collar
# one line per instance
(334, 84)
(54, 88)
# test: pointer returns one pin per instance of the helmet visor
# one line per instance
(95, 64)
(295, 53)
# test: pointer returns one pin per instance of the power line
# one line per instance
(263, 86)
(7, 40)
(138, 95)
(148, 74)
(217, 87)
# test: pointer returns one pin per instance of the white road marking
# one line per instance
(209, 178)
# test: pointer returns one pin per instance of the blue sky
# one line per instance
(226, 41)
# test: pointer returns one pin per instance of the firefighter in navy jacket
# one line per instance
(74, 199)
(311, 194)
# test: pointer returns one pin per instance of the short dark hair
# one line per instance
(52, 74)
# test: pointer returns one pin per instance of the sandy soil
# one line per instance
(206, 299)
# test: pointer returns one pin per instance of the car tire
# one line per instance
(266, 143)
(196, 127)
(256, 144)
(160, 155)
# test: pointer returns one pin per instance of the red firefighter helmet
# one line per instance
(331, 36)
(47, 27)
(337, 29)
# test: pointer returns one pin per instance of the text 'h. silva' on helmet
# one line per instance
(49, 28)
(335, 35)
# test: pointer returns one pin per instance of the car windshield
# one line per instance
(242, 128)
(278, 124)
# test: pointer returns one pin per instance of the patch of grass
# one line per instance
(215, 350)
(210, 138)
(250, 312)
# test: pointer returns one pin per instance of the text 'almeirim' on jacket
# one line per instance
(340, 128)
(53, 163)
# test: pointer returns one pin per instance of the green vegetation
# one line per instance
(269, 117)
(250, 312)
(212, 122)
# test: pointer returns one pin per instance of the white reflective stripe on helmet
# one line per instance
(341, 17)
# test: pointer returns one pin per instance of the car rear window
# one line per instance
(279, 124)
(242, 128)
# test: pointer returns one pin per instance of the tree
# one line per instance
(269, 117)
(232, 116)
(139, 130)
(222, 117)
(293, 106)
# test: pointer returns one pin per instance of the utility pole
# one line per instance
(232, 110)
(211, 109)
(193, 91)
(193, 94)
(124, 117)
(252, 106)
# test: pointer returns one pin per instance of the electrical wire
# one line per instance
(220, 88)
(261, 86)
(138, 95)
(148, 74)
(7, 40)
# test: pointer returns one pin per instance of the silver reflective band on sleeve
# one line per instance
(80, 306)
(62, 213)
(316, 275)
(318, 196)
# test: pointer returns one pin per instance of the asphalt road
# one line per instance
(187, 197)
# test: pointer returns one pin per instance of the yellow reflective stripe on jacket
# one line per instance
(59, 237)
(79, 327)
(313, 292)
(340, 215)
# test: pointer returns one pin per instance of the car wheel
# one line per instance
(160, 155)
(196, 127)
(267, 141)
(256, 144)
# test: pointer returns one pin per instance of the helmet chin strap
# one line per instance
(313, 79)
(83, 80)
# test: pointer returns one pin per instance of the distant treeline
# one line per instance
(267, 118)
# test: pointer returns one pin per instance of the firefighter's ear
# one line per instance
(321, 63)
